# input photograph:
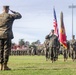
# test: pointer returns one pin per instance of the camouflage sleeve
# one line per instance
(47, 37)
(68, 44)
(71, 44)
(58, 43)
(16, 15)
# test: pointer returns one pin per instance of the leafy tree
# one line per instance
(27, 43)
(38, 42)
(21, 42)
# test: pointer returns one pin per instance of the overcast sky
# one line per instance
(37, 18)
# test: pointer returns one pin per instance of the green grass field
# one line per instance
(37, 65)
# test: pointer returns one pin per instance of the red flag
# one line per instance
(55, 24)
(62, 36)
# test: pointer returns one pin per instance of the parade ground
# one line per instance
(37, 65)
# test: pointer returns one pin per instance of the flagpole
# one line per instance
(72, 6)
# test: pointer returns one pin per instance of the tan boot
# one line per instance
(5, 67)
(1, 66)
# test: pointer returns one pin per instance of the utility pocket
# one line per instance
(3, 34)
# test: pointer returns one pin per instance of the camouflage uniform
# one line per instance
(6, 34)
(73, 48)
(65, 54)
(58, 48)
(33, 51)
(68, 49)
(46, 43)
(53, 47)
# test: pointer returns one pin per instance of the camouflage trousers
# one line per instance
(73, 54)
(47, 53)
(65, 54)
(5, 48)
(53, 53)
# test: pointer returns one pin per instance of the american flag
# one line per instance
(55, 24)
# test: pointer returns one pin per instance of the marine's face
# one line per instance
(6, 10)
(52, 32)
(73, 37)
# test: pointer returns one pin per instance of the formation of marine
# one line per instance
(51, 48)
(54, 48)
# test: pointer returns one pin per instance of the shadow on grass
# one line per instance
(35, 68)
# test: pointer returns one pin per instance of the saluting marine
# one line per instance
(6, 34)
(53, 46)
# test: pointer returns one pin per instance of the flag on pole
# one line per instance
(62, 35)
(55, 24)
